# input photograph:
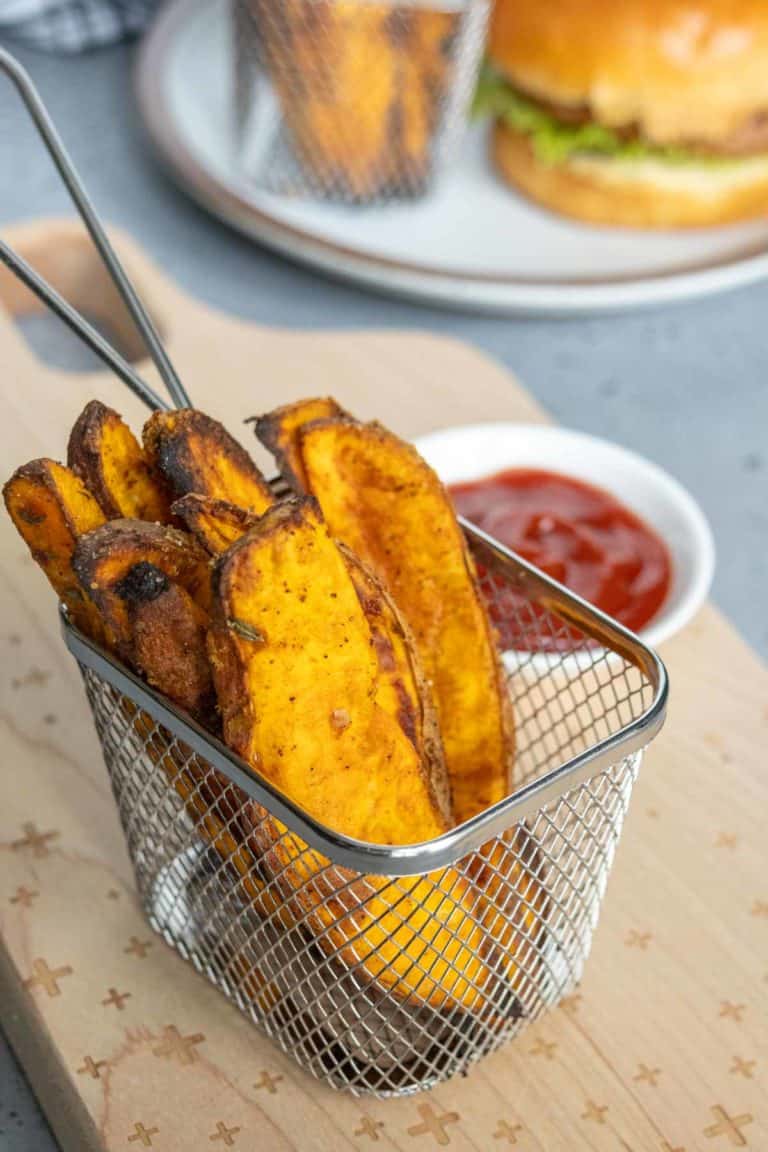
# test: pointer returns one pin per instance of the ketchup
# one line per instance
(578, 534)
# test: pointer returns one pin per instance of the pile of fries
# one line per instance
(335, 639)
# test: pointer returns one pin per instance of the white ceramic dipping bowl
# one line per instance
(470, 452)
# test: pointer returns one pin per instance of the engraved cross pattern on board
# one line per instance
(370, 1128)
(116, 998)
(508, 1132)
(142, 1135)
(36, 841)
(91, 1067)
(226, 1135)
(174, 1044)
(434, 1125)
(268, 1081)
(137, 947)
(729, 1126)
(47, 978)
(595, 1112)
(646, 1075)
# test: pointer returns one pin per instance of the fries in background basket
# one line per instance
(369, 92)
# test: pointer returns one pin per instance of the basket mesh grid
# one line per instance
(360, 101)
(382, 984)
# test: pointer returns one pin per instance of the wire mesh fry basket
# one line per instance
(360, 101)
(379, 969)
(386, 970)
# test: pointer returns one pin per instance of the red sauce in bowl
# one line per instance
(578, 534)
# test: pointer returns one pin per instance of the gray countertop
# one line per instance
(686, 385)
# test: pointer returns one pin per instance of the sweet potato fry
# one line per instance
(373, 85)
(507, 872)
(215, 524)
(109, 460)
(165, 638)
(403, 690)
(195, 453)
(382, 499)
(103, 560)
(294, 661)
(215, 807)
(159, 631)
(298, 684)
(51, 509)
(279, 431)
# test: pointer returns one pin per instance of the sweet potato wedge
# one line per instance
(279, 431)
(508, 874)
(373, 86)
(165, 638)
(109, 460)
(51, 509)
(403, 690)
(104, 558)
(298, 685)
(297, 679)
(215, 807)
(195, 453)
(382, 499)
(215, 524)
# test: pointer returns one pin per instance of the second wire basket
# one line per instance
(353, 100)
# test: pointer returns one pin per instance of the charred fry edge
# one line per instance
(85, 456)
(170, 442)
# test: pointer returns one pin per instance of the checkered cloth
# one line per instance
(73, 25)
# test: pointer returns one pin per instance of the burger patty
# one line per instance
(749, 139)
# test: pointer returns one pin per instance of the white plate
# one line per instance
(471, 451)
(472, 244)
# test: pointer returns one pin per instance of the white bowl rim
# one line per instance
(697, 579)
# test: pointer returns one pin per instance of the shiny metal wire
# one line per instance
(359, 101)
(337, 950)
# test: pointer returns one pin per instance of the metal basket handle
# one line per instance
(53, 300)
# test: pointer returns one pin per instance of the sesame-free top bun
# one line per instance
(677, 70)
(634, 193)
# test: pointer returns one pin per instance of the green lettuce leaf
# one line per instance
(554, 141)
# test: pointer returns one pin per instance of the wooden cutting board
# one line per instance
(665, 1047)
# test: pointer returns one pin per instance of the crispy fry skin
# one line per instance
(104, 557)
(298, 685)
(383, 500)
(279, 432)
(215, 524)
(51, 509)
(166, 636)
(403, 689)
(196, 454)
(109, 460)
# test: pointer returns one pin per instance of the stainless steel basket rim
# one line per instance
(442, 851)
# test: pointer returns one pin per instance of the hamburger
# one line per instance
(643, 113)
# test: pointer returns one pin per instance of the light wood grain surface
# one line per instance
(665, 1046)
